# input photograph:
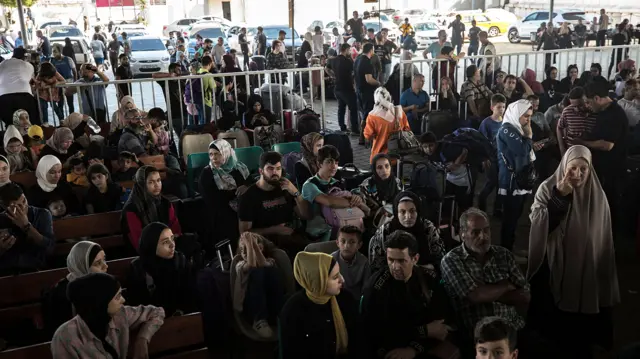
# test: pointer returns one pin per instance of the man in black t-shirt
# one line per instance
(457, 33)
(366, 84)
(357, 29)
(123, 72)
(341, 69)
(267, 206)
(176, 87)
(244, 46)
(608, 140)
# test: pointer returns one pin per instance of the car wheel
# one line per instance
(513, 36)
(494, 31)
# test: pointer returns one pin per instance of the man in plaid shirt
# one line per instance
(481, 279)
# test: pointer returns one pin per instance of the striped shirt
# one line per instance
(576, 123)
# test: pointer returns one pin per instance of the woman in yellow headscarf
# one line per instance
(318, 322)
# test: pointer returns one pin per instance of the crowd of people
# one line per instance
(393, 285)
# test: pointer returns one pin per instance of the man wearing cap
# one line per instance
(93, 98)
(15, 90)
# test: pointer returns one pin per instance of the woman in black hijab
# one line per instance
(257, 114)
(407, 217)
(98, 303)
(383, 186)
(170, 285)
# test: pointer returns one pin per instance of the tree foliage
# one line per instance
(14, 3)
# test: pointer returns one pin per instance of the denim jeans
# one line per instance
(347, 98)
(265, 294)
(197, 119)
(513, 206)
(44, 108)
(59, 106)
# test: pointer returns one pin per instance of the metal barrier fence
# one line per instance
(283, 88)
(515, 63)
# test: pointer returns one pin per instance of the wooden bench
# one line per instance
(104, 228)
(23, 292)
(184, 332)
(126, 184)
(25, 179)
(156, 161)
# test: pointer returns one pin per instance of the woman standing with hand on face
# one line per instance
(572, 267)
(103, 323)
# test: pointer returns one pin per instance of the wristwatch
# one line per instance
(295, 195)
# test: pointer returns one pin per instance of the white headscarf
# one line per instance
(17, 159)
(383, 106)
(512, 116)
(78, 261)
(11, 133)
(44, 166)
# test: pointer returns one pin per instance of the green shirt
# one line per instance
(208, 87)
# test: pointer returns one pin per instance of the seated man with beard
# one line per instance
(267, 206)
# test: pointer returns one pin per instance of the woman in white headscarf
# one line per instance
(84, 257)
(50, 188)
(515, 156)
(19, 157)
(21, 121)
(572, 266)
(383, 120)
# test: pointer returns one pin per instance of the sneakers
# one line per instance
(263, 329)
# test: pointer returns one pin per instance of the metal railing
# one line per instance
(286, 88)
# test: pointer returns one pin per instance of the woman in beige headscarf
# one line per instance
(572, 266)
(119, 120)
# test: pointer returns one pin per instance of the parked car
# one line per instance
(129, 28)
(208, 31)
(47, 24)
(271, 32)
(65, 31)
(218, 19)
(180, 25)
(530, 23)
(232, 36)
(394, 34)
(426, 33)
(148, 55)
(81, 49)
(485, 22)
(5, 53)
(327, 29)
(132, 34)
(414, 15)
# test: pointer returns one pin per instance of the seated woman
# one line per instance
(448, 97)
(408, 217)
(49, 186)
(19, 157)
(383, 186)
(221, 182)
(161, 276)
(84, 257)
(22, 122)
(118, 119)
(102, 323)
(85, 130)
(103, 195)
(147, 205)
(569, 82)
(383, 120)
(319, 321)
(61, 145)
(258, 293)
(257, 114)
(307, 167)
(28, 233)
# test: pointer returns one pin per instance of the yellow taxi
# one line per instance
(484, 21)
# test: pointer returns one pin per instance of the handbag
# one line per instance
(483, 105)
(351, 176)
(402, 141)
(525, 179)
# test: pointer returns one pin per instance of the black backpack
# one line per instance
(307, 121)
(479, 148)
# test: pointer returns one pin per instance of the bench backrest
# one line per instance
(26, 179)
(176, 332)
(104, 228)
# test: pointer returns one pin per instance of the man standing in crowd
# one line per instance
(126, 45)
(482, 279)
(244, 47)
(490, 64)
(124, 73)
(206, 47)
(261, 42)
(366, 85)
(631, 102)
(436, 46)
(174, 96)
(93, 97)
(114, 51)
(511, 93)
(457, 33)
(341, 68)
(44, 47)
(603, 25)
(67, 69)
(415, 102)
(15, 89)
(581, 32)
(406, 29)
(474, 42)
(217, 52)
(357, 29)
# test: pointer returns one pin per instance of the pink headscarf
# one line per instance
(626, 65)
(529, 77)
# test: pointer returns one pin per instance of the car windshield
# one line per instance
(573, 16)
(372, 25)
(147, 45)
(66, 32)
(427, 26)
(272, 32)
(211, 33)
(76, 45)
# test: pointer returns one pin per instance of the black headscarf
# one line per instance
(168, 274)
(418, 228)
(387, 189)
(145, 204)
(90, 296)
(250, 114)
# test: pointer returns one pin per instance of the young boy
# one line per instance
(78, 174)
(36, 139)
(354, 266)
(126, 171)
(489, 128)
(495, 339)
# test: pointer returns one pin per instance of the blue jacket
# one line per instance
(516, 149)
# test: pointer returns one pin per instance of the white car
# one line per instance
(81, 49)
(5, 53)
(232, 36)
(394, 33)
(119, 29)
(65, 31)
(530, 23)
(148, 55)
(427, 32)
(217, 19)
(414, 15)
(180, 25)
